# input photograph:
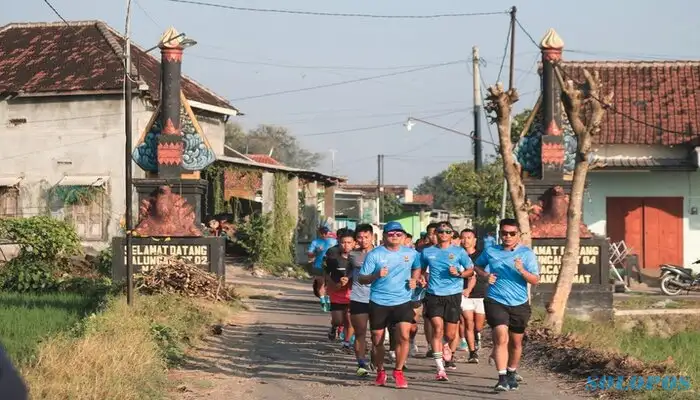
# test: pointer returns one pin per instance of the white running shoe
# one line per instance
(392, 355)
(413, 350)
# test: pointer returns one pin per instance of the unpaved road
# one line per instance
(278, 351)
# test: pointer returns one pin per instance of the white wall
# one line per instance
(76, 135)
(645, 184)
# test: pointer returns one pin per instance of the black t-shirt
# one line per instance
(336, 265)
(482, 283)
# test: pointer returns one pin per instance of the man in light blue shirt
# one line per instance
(448, 265)
(316, 251)
(392, 270)
(511, 267)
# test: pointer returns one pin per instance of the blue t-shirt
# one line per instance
(319, 247)
(489, 241)
(510, 287)
(439, 261)
(393, 289)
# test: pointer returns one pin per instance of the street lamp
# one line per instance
(411, 122)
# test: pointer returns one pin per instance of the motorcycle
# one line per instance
(675, 279)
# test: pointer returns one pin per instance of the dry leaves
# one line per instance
(180, 277)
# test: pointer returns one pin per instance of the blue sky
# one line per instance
(246, 54)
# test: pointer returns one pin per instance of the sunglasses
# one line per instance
(394, 234)
(445, 231)
(509, 233)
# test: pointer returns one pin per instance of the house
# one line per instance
(644, 186)
(62, 114)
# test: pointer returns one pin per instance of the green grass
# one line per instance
(27, 319)
(682, 347)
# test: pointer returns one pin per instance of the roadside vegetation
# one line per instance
(650, 345)
(68, 328)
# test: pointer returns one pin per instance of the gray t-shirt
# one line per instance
(359, 292)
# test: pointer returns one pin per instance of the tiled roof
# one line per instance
(423, 198)
(263, 159)
(85, 56)
(663, 95)
(624, 162)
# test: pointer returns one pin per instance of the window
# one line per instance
(88, 218)
(9, 201)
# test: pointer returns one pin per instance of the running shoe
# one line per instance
(518, 377)
(463, 345)
(347, 346)
(352, 340)
(392, 355)
(332, 333)
(451, 365)
(400, 379)
(413, 350)
(341, 333)
(512, 379)
(502, 385)
(362, 371)
(381, 378)
(473, 358)
(441, 376)
(446, 353)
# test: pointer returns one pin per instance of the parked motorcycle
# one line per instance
(675, 279)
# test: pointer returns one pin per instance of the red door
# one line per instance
(625, 221)
(652, 227)
(663, 231)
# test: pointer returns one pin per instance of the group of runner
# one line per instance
(442, 278)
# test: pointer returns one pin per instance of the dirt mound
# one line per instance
(179, 277)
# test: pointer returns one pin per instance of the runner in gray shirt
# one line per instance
(359, 296)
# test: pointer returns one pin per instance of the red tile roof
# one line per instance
(263, 159)
(85, 56)
(423, 198)
(663, 95)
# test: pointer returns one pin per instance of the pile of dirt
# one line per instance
(571, 356)
(180, 277)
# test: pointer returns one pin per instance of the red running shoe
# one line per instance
(400, 379)
(381, 378)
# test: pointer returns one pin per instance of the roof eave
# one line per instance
(215, 109)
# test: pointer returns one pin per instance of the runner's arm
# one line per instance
(370, 270)
(467, 264)
(530, 269)
(481, 263)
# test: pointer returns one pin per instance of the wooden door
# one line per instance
(625, 221)
(663, 231)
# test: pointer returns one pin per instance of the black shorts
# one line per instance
(357, 308)
(381, 317)
(417, 304)
(515, 317)
(339, 307)
(449, 308)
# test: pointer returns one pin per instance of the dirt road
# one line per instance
(277, 350)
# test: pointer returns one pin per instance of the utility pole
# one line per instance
(477, 128)
(511, 73)
(379, 188)
(333, 160)
(127, 156)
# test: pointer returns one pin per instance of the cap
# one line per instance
(393, 226)
(324, 229)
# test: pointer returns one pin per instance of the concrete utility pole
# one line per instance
(477, 128)
(379, 188)
(127, 156)
(333, 160)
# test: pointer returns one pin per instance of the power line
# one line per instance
(368, 78)
(330, 14)
(58, 14)
(348, 81)
(505, 53)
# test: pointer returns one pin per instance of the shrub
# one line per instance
(103, 262)
(29, 274)
(254, 237)
(42, 237)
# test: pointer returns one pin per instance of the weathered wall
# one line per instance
(76, 135)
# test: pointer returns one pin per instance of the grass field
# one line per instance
(27, 319)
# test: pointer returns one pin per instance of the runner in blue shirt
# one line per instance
(316, 251)
(392, 270)
(449, 266)
(511, 267)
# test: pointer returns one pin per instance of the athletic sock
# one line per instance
(511, 370)
(502, 372)
(438, 361)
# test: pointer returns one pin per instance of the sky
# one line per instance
(248, 57)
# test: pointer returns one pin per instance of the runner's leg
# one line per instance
(379, 317)
(359, 320)
(498, 318)
(451, 317)
(519, 318)
(479, 319)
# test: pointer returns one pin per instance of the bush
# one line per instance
(253, 237)
(103, 262)
(43, 238)
(29, 274)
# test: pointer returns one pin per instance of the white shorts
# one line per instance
(476, 305)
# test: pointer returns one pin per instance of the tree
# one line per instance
(585, 110)
(440, 188)
(499, 103)
(520, 122)
(487, 185)
(265, 138)
(391, 206)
